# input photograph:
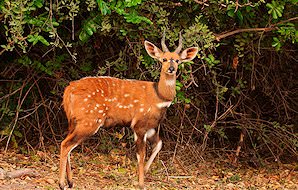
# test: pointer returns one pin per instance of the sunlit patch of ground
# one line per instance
(117, 171)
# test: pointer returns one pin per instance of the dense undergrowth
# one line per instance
(240, 90)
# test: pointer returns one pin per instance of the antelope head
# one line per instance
(170, 60)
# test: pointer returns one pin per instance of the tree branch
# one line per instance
(220, 36)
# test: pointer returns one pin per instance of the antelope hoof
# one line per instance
(70, 183)
(141, 186)
(62, 186)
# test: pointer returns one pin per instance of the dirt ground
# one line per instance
(117, 171)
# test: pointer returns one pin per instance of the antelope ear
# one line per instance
(152, 50)
(189, 54)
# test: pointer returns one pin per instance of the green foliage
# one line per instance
(211, 61)
(275, 8)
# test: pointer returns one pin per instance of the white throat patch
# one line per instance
(171, 82)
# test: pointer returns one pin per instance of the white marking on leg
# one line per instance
(100, 125)
(155, 151)
(150, 133)
(68, 155)
(141, 109)
(163, 104)
(138, 157)
(133, 122)
(135, 136)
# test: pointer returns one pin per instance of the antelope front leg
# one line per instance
(141, 153)
(154, 139)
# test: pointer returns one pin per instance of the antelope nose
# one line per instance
(171, 69)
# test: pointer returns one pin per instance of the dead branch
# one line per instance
(220, 36)
(21, 173)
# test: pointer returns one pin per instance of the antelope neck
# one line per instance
(166, 87)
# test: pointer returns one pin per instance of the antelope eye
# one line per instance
(164, 60)
(177, 61)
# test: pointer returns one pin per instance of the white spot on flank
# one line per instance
(144, 87)
(100, 111)
(150, 133)
(130, 105)
(170, 82)
(141, 109)
(120, 106)
(93, 93)
(89, 95)
(142, 105)
(99, 121)
(103, 114)
(91, 111)
(126, 95)
(97, 90)
(85, 100)
(82, 108)
(97, 105)
(87, 111)
(135, 101)
(163, 104)
(95, 108)
(102, 92)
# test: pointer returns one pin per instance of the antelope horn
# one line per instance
(180, 44)
(163, 45)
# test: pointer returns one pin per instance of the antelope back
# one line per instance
(109, 101)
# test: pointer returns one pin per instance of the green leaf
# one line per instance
(43, 40)
(274, 15)
(231, 13)
(89, 31)
(239, 16)
(103, 7)
(83, 36)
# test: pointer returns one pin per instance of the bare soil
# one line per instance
(117, 171)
